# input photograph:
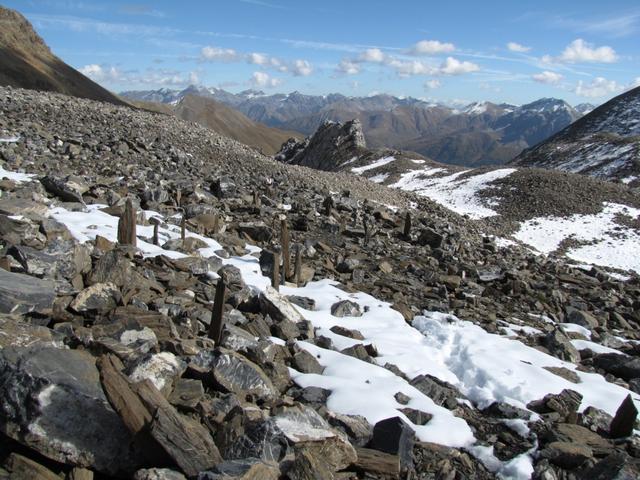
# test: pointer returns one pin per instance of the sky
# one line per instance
(455, 51)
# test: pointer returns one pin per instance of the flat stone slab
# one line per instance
(21, 293)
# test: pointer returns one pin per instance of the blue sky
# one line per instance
(453, 51)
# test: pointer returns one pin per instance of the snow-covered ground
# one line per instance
(458, 194)
(609, 244)
(484, 367)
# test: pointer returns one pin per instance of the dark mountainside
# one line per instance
(605, 143)
(27, 62)
(481, 134)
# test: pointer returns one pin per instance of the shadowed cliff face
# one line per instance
(27, 62)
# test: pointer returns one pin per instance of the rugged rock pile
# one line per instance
(112, 363)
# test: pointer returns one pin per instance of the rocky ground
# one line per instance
(112, 364)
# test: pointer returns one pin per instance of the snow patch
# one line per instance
(378, 163)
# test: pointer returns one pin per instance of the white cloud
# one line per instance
(301, 68)
(550, 78)
(580, 51)
(432, 84)
(216, 54)
(635, 83)
(258, 59)
(372, 55)
(97, 73)
(431, 47)
(264, 80)
(516, 47)
(411, 67)
(599, 87)
(452, 66)
(266, 61)
(348, 67)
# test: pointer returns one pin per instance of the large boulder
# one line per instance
(49, 395)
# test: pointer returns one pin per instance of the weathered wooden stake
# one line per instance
(407, 225)
(367, 230)
(328, 205)
(286, 258)
(298, 266)
(275, 274)
(256, 199)
(183, 227)
(155, 234)
(215, 327)
(127, 225)
(178, 197)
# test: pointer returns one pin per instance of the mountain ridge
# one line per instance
(605, 143)
(479, 134)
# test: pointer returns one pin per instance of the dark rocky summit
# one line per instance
(107, 367)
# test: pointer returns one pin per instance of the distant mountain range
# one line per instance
(27, 62)
(480, 134)
(605, 143)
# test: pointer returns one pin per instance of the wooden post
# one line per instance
(215, 327)
(275, 274)
(407, 225)
(284, 240)
(367, 230)
(298, 267)
(178, 197)
(127, 225)
(328, 205)
(155, 234)
(256, 199)
(183, 227)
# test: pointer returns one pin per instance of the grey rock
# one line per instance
(582, 318)
(438, 391)
(620, 365)
(560, 346)
(23, 294)
(158, 474)
(346, 308)
(64, 190)
(304, 362)
(100, 297)
(258, 231)
(234, 373)
(243, 469)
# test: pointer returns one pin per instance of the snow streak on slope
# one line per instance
(606, 242)
(371, 166)
(457, 194)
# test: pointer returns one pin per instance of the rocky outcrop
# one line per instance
(331, 146)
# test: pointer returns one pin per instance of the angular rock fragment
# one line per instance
(346, 308)
(23, 294)
(234, 373)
